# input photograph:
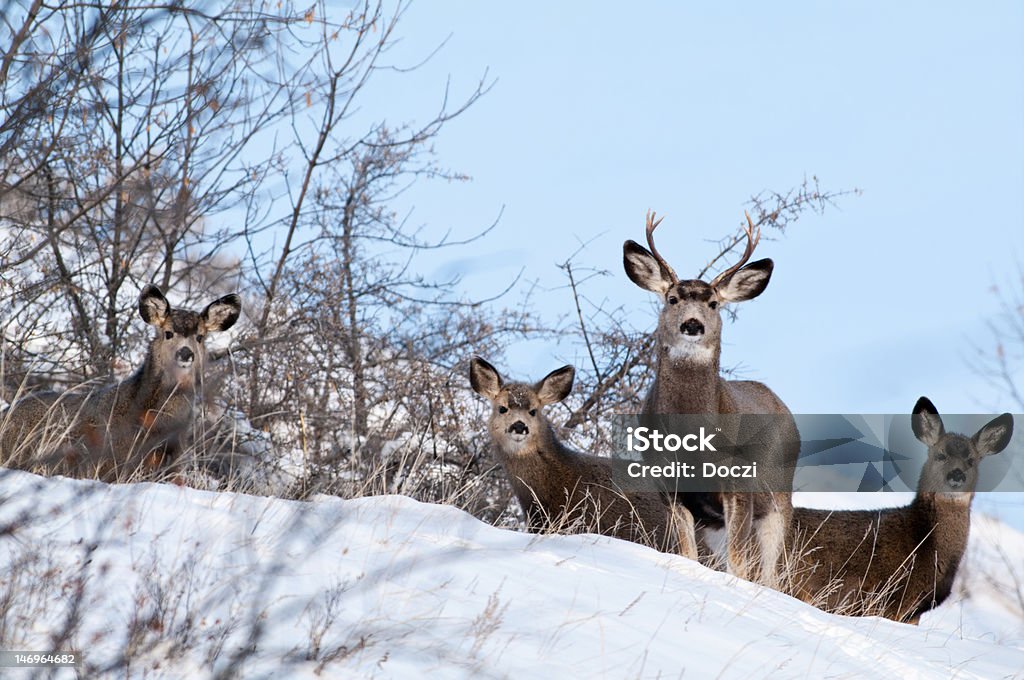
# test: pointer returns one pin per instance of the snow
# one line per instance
(390, 587)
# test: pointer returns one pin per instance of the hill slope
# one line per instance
(174, 582)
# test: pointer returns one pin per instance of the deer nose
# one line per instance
(184, 355)
(956, 478)
(518, 427)
(692, 327)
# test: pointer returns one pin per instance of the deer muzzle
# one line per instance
(956, 479)
(184, 356)
(692, 328)
(518, 427)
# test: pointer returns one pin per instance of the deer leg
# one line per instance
(770, 532)
(681, 523)
(738, 512)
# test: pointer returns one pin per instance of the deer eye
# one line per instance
(533, 412)
(673, 300)
(199, 338)
(713, 304)
(940, 456)
(502, 409)
(168, 334)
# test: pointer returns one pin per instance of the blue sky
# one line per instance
(602, 110)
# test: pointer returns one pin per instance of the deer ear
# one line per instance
(926, 423)
(484, 378)
(556, 385)
(747, 283)
(153, 306)
(643, 270)
(222, 313)
(995, 436)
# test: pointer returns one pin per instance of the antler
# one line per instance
(752, 240)
(651, 226)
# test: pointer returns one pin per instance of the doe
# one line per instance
(898, 562)
(557, 485)
(139, 425)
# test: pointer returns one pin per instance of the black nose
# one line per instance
(956, 477)
(518, 427)
(184, 355)
(692, 327)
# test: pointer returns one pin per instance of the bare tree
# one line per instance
(126, 127)
(214, 147)
(1001, 359)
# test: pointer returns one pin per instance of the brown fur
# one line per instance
(557, 486)
(708, 393)
(139, 425)
(897, 562)
(687, 381)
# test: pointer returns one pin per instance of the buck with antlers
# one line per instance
(687, 381)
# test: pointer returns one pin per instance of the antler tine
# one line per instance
(652, 224)
(752, 240)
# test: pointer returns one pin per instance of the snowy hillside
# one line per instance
(174, 582)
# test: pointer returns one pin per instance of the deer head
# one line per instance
(690, 324)
(517, 422)
(952, 465)
(178, 351)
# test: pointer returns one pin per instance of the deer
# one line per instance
(898, 562)
(136, 427)
(557, 485)
(687, 380)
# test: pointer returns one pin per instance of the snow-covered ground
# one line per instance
(186, 583)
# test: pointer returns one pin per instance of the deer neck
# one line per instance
(539, 468)
(948, 518)
(685, 385)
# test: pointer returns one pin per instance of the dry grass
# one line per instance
(831, 582)
(166, 625)
(594, 509)
(55, 438)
